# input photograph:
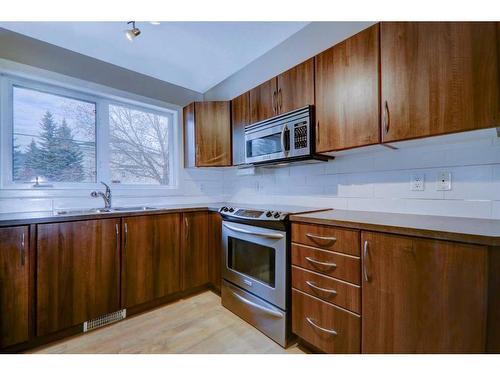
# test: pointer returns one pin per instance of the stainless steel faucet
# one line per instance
(106, 196)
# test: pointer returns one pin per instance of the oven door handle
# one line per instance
(276, 314)
(268, 235)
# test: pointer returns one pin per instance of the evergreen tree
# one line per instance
(49, 166)
(32, 163)
(58, 156)
(17, 156)
(70, 158)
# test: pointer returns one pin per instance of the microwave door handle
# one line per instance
(283, 139)
(268, 235)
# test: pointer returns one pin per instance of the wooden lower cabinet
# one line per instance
(78, 272)
(215, 249)
(151, 258)
(423, 296)
(14, 285)
(195, 249)
(324, 325)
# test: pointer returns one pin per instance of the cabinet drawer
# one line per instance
(340, 266)
(327, 327)
(328, 238)
(331, 290)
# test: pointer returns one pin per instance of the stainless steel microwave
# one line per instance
(283, 138)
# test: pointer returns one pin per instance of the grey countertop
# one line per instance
(469, 230)
(20, 218)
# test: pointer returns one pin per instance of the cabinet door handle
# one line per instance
(365, 259)
(23, 249)
(274, 103)
(117, 238)
(331, 265)
(329, 331)
(186, 224)
(125, 227)
(321, 238)
(280, 99)
(314, 286)
(386, 117)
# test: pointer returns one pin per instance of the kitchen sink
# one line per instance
(137, 208)
(90, 211)
(83, 211)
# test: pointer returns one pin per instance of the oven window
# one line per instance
(264, 146)
(253, 260)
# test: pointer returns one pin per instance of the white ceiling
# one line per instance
(195, 55)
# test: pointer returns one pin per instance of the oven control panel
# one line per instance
(246, 213)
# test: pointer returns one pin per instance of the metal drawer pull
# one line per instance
(269, 235)
(309, 259)
(365, 259)
(329, 331)
(276, 314)
(314, 286)
(322, 238)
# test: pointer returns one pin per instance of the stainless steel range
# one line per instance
(256, 267)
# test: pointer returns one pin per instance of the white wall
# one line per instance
(380, 181)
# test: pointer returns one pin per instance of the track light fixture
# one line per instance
(132, 33)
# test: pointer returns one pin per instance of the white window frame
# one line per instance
(102, 102)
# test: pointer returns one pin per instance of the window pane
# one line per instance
(53, 138)
(139, 144)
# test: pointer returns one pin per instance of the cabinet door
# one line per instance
(78, 272)
(14, 285)
(422, 296)
(438, 77)
(240, 117)
(263, 101)
(347, 93)
(195, 250)
(213, 134)
(151, 258)
(296, 87)
(215, 249)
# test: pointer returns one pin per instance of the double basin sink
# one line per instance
(89, 211)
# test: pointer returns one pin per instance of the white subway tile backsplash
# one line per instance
(377, 179)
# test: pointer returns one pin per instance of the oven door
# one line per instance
(267, 143)
(255, 260)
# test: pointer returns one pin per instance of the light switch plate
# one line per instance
(443, 181)
(417, 182)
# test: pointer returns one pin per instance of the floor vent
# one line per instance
(104, 320)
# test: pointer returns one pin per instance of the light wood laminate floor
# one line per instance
(198, 324)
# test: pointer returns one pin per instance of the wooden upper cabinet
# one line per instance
(14, 285)
(195, 250)
(78, 272)
(423, 296)
(438, 77)
(151, 258)
(263, 101)
(240, 117)
(296, 87)
(207, 134)
(347, 93)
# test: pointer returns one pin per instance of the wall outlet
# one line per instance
(443, 181)
(417, 182)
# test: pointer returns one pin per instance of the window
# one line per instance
(59, 137)
(53, 138)
(139, 146)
